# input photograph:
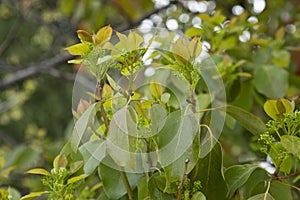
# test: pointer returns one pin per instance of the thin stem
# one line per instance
(180, 187)
(103, 114)
(275, 174)
(289, 176)
(267, 191)
(97, 134)
(126, 184)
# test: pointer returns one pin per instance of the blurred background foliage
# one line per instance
(36, 82)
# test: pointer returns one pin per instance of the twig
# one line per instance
(97, 134)
(180, 187)
(126, 183)
(10, 35)
(289, 176)
(33, 70)
(103, 114)
(59, 74)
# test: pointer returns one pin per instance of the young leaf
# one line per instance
(77, 178)
(103, 35)
(237, 175)
(38, 171)
(107, 92)
(275, 108)
(60, 161)
(79, 49)
(84, 36)
(155, 89)
(34, 195)
(74, 167)
(249, 121)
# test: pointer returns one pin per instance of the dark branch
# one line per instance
(33, 70)
(11, 35)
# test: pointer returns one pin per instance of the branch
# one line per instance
(10, 35)
(34, 69)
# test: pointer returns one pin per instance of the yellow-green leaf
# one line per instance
(84, 36)
(140, 110)
(103, 35)
(60, 161)
(107, 92)
(156, 89)
(134, 40)
(184, 50)
(2, 162)
(39, 171)
(280, 33)
(275, 108)
(77, 178)
(78, 49)
(33, 195)
(191, 32)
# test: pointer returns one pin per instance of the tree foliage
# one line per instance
(180, 139)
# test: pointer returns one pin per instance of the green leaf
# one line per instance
(81, 125)
(77, 178)
(156, 89)
(78, 49)
(179, 137)
(38, 171)
(158, 117)
(249, 121)
(262, 197)
(92, 152)
(209, 172)
(191, 32)
(252, 185)
(112, 182)
(278, 156)
(281, 58)
(122, 136)
(60, 161)
(143, 188)
(154, 192)
(280, 191)
(198, 196)
(291, 144)
(271, 81)
(34, 195)
(237, 175)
